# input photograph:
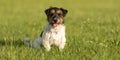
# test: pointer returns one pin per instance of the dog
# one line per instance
(54, 32)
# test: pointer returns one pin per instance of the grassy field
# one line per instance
(92, 29)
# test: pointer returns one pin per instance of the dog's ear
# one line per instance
(47, 11)
(64, 11)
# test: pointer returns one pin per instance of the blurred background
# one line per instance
(92, 29)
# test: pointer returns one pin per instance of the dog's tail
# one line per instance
(36, 43)
(27, 41)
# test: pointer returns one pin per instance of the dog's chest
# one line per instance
(55, 34)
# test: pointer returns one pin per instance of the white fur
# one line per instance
(51, 36)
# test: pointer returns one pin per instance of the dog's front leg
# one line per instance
(62, 44)
(46, 45)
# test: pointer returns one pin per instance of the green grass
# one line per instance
(92, 29)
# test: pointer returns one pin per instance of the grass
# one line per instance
(92, 29)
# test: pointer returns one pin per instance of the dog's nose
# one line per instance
(55, 20)
(55, 17)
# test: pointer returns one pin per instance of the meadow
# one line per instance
(92, 29)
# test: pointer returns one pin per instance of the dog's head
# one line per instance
(55, 15)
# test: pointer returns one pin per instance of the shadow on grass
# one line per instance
(17, 43)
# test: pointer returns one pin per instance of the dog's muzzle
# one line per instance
(55, 19)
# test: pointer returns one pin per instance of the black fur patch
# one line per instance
(41, 34)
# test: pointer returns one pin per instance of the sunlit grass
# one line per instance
(92, 29)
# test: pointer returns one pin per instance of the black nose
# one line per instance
(55, 18)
